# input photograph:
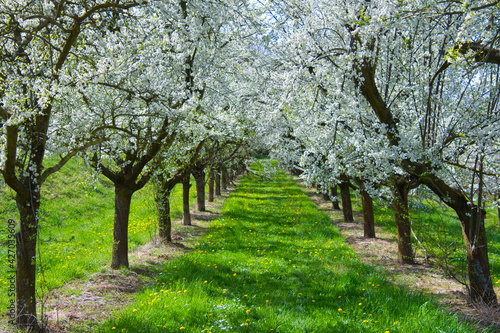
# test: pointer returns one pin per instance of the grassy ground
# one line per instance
(274, 263)
(76, 226)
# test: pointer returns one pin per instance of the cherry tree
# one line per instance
(157, 87)
(401, 66)
(41, 43)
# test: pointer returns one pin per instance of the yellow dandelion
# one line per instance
(248, 311)
(340, 310)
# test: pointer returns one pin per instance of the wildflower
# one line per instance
(248, 311)
(182, 328)
(340, 310)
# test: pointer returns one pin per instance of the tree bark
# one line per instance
(368, 218)
(346, 201)
(480, 284)
(26, 241)
(164, 219)
(217, 183)
(199, 176)
(211, 185)
(335, 201)
(400, 190)
(123, 199)
(474, 234)
(224, 178)
(497, 197)
(186, 215)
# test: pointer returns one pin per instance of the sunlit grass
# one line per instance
(274, 263)
(76, 225)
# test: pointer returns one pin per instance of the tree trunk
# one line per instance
(335, 201)
(199, 176)
(123, 198)
(400, 190)
(217, 183)
(26, 241)
(211, 181)
(474, 234)
(480, 285)
(186, 215)
(224, 178)
(497, 197)
(164, 220)
(346, 201)
(368, 218)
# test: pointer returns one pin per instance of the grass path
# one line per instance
(274, 263)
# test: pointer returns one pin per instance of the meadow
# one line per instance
(274, 263)
(76, 226)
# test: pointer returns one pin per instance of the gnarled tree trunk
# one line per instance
(211, 185)
(123, 199)
(217, 183)
(474, 234)
(368, 218)
(163, 206)
(335, 201)
(400, 191)
(224, 178)
(346, 201)
(476, 245)
(26, 241)
(199, 177)
(186, 215)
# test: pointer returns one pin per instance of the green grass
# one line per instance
(76, 225)
(274, 263)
